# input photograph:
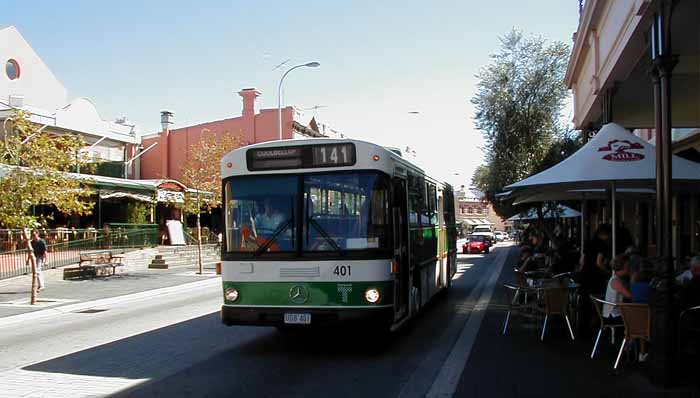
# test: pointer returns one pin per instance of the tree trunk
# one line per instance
(32, 260)
(199, 237)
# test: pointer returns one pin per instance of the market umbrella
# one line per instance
(560, 211)
(614, 158)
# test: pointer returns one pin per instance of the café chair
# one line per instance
(516, 305)
(637, 322)
(605, 324)
(525, 287)
(556, 302)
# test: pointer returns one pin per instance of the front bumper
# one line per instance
(264, 316)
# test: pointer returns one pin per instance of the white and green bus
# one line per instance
(324, 231)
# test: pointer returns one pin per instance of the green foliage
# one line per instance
(518, 103)
(35, 163)
(480, 177)
(138, 213)
(201, 171)
(561, 148)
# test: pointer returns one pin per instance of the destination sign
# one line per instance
(301, 157)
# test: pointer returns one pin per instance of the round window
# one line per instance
(12, 69)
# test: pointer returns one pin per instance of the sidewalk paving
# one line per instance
(134, 277)
(520, 365)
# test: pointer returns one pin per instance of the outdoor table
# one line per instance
(534, 276)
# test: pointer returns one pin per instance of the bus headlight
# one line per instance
(231, 294)
(372, 295)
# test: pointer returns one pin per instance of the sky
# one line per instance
(379, 62)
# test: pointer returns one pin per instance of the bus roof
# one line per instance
(234, 163)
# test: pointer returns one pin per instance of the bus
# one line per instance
(325, 231)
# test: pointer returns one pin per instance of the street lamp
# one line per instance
(279, 91)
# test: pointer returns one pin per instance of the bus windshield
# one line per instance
(346, 211)
(260, 213)
(342, 212)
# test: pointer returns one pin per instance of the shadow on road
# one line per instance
(201, 357)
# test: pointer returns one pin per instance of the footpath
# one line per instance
(520, 365)
(132, 281)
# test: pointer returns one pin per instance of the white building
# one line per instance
(26, 82)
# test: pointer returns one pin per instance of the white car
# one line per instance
(500, 236)
(483, 230)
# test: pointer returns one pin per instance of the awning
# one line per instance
(113, 187)
(109, 194)
(477, 221)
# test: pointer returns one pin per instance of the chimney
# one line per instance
(166, 119)
(249, 95)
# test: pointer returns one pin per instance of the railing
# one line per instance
(11, 239)
(208, 236)
(14, 263)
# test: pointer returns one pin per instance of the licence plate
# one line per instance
(297, 319)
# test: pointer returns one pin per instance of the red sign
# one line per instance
(620, 151)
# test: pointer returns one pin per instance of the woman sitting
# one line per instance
(617, 291)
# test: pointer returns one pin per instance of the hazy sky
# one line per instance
(379, 61)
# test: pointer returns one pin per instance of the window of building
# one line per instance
(12, 69)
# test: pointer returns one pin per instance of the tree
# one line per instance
(480, 177)
(35, 166)
(202, 174)
(518, 103)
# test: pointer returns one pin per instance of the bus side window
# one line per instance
(415, 199)
(432, 204)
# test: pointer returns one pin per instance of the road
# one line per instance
(175, 345)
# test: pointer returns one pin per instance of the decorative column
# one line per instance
(664, 317)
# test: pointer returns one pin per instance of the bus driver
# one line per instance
(266, 223)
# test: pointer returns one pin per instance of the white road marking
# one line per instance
(447, 380)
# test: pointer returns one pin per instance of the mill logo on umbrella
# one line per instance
(620, 151)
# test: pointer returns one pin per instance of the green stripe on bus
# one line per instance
(312, 293)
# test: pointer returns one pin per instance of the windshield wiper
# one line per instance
(325, 235)
(272, 238)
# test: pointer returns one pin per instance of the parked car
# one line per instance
(484, 230)
(476, 244)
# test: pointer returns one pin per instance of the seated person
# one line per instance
(639, 282)
(267, 222)
(527, 261)
(617, 291)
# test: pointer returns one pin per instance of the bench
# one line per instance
(95, 263)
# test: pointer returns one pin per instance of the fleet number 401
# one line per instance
(342, 270)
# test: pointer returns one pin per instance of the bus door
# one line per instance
(400, 234)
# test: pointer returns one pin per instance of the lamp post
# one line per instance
(279, 92)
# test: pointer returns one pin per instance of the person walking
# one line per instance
(39, 247)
